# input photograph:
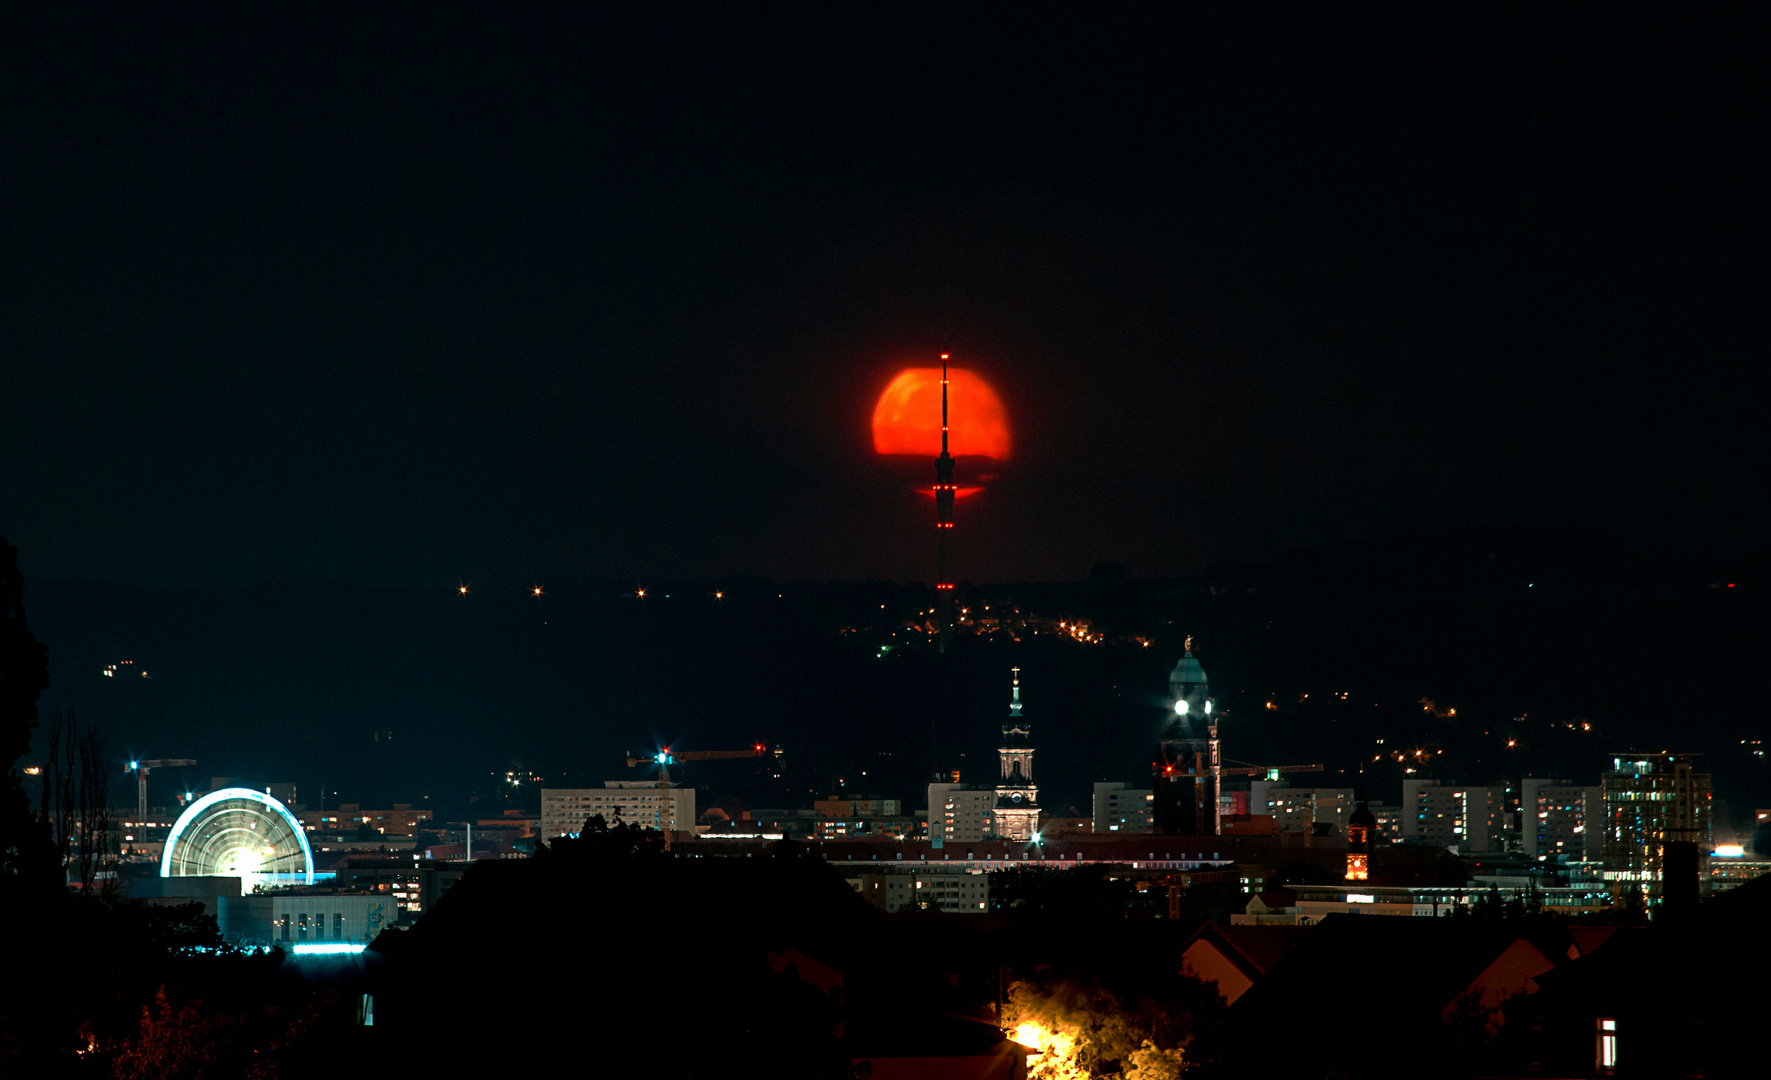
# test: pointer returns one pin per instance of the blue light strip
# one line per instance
(196, 809)
(327, 950)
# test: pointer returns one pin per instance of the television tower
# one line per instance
(944, 492)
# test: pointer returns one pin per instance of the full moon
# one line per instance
(907, 418)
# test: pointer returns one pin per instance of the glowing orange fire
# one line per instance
(907, 418)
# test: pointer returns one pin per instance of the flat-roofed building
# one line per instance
(636, 802)
(1560, 819)
(866, 807)
(334, 918)
(960, 815)
(1389, 823)
(1119, 808)
(847, 828)
(1651, 800)
(1298, 810)
(1488, 820)
(402, 820)
(412, 884)
(950, 890)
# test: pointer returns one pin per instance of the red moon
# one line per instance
(907, 419)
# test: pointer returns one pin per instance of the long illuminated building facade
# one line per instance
(945, 491)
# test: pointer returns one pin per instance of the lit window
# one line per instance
(1607, 1043)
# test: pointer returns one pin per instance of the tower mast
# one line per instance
(944, 493)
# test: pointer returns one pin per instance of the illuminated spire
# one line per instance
(1016, 816)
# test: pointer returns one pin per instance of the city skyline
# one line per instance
(466, 484)
(591, 674)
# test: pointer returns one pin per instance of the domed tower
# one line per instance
(1187, 763)
(1187, 683)
(1361, 826)
(1016, 815)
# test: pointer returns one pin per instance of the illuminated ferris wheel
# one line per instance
(237, 832)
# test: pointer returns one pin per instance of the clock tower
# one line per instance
(1017, 797)
(1188, 769)
(1359, 829)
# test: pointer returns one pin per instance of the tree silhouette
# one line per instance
(1079, 892)
(76, 802)
(602, 839)
(27, 858)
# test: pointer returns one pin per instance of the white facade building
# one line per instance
(636, 802)
(960, 815)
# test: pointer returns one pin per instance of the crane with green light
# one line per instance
(1271, 772)
(141, 770)
(665, 758)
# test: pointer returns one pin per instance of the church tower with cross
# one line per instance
(1016, 815)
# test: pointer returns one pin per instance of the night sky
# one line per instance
(414, 297)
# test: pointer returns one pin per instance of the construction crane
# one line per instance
(141, 770)
(1271, 772)
(664, 759)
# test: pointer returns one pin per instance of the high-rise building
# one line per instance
(1653, 800)
(1560, 819)
(1432, 813)
(1470, 819)
(1488, 820)
(959, 814)
(1186, 770)
(1297, 810)
(1017, 797)
(1122, 809)
(1389, 823)
(636, 802)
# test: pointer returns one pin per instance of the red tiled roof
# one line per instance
(1588, 938)
(1261, 946)
(1254, 949)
